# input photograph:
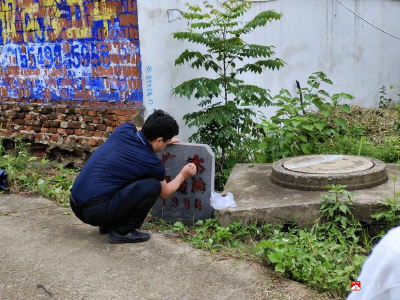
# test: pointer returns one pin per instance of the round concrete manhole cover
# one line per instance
(328, 164)
(314, 172)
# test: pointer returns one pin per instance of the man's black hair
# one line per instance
(160, 124)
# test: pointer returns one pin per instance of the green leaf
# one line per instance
(261, 65)
(199, 223)
(280, 268)
(276, 257)
(325, 112)
(323, 93)
(255, 51)
(327, 265)
(308, 127)
(193, 37)
(303, 138)
(200, 25)
(178, 224)
(263, 145)
(199, 87)
(331, 279)
(296, 123)
(265, 244)
(345, 108)
(341, 122)
(319, 126)
(262, 246)
(231, 162)
(343, 208)
(323, 77)
(306, 148)
(259, 21)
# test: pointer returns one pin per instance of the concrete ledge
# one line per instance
(258, 199)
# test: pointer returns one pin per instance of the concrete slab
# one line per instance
(258, 199)
(46, 254)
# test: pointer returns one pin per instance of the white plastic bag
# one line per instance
(219, 201)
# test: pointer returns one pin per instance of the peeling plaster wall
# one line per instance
(314, 35)
(70, 50)
(70, 70)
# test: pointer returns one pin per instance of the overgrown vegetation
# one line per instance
(389, 97)
(310, 122)
(370, 132)
(296, 128)
(327, 257)
(225, 120)
(314, 122)
(390, 216)
(27, 173)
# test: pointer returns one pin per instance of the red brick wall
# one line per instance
(65, 127)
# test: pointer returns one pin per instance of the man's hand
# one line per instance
(189, 170)
(167, 189)
(173, 141)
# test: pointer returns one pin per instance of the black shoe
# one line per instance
(104, 230)
(131, 237)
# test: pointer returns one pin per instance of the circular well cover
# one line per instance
(328, 164)
(315, 172)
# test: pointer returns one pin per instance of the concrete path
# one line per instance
(45, 254)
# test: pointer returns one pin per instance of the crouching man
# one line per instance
(123, 179)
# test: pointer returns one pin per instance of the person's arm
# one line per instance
(167, 189)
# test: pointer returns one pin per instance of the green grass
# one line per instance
(388, 150)
(30, 174)
(326, 257)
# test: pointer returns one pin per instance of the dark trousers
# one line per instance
(123, 212)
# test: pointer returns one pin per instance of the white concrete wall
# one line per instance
(313, 35)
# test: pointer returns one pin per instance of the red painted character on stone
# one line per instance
(197, 161)
(197, 204)
(183, 188)
(175, 202)
(166, 156)
(186, 203)
(198, 185)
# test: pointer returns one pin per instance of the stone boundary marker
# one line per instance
(192, 201)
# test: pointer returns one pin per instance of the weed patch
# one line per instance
(326, 257)
(27, 173)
